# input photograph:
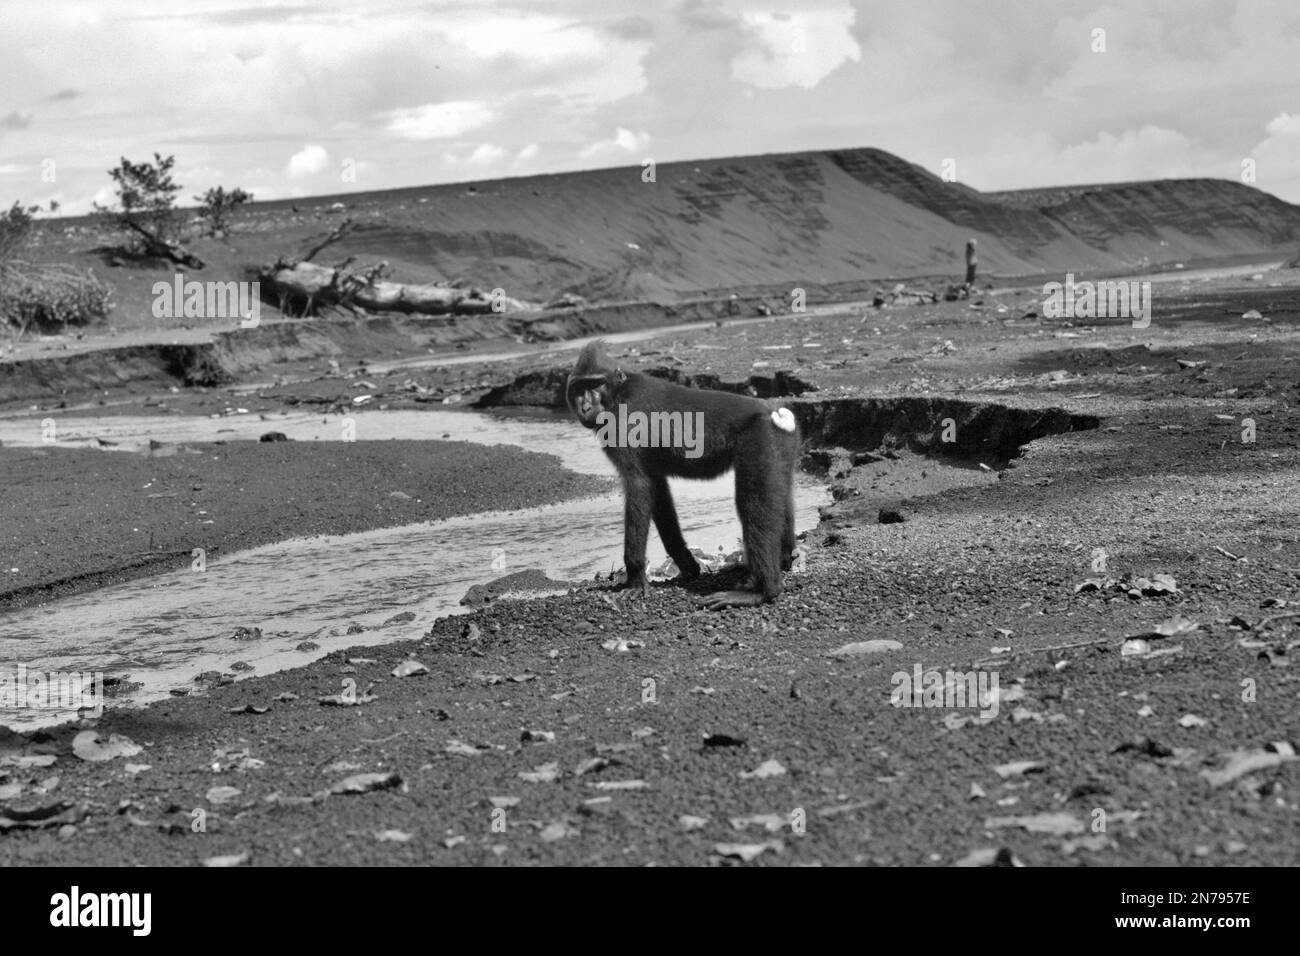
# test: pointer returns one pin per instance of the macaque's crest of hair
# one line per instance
(591, 360)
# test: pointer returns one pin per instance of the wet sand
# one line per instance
(75, 520)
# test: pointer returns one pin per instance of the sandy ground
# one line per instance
(598, 729)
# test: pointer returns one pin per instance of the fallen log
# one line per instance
(164, 248)
(304, 288)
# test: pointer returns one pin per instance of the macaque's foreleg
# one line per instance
(638, 505)
(670, 532)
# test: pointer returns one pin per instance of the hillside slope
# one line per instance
(815, 217)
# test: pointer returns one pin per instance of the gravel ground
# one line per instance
(597, 728)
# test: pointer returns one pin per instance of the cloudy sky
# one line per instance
(293, 98)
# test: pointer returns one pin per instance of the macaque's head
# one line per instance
(590, 388)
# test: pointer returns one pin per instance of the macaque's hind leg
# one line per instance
(762, 501)
(670, 532)
(747, 582)
(787, 535)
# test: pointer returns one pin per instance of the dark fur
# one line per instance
(738, 433)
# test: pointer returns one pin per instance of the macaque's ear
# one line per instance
(619, 376)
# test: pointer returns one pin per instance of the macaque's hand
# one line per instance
(688, 572)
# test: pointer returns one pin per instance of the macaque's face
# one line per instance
(587, 399)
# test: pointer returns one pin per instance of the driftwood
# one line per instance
(305, 288)
(163, 249)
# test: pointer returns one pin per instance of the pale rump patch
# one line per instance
(783, 419)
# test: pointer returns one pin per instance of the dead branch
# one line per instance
(342, 230)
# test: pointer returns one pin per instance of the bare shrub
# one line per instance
(46, 297)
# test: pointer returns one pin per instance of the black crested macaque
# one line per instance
(651, 429)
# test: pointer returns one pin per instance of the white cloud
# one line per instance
(104, 196)
(486, 154)
(1284, 125)
(623, 140)
(311, 159)
(1150, 152)
(1277, 156)
(1039, 159)
(438, 120)
(528, 152)
(561, 55)
(795, 49)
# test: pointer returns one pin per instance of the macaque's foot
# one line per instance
(724, 599)
(639, 583)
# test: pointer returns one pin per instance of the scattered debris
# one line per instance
(772, 822)
(88, 746)
(366, 782)
(1019, 768)
(748, 851)
(545, 773)
(1000, 856)
(768, 768)
(59, 813)
(1057, 824)
(348, 699)
(409, 669)
(1093, 842)
(621, 644)
(859, 648)
(249, 709)
(464, 749)
(1144, 746)
(557, 831)
(1242, 762)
